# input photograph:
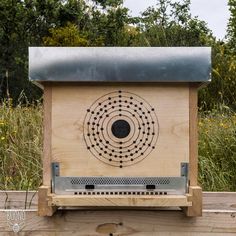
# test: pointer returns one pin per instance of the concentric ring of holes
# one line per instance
(112, 107)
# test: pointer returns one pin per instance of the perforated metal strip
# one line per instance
(120, 180)
(169, 185)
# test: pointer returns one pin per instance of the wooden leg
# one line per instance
(43, 207)
(195, 193)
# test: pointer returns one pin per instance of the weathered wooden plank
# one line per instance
(224, 201)
(43, 207)
(133, 223)
(18, 199)
(73, 233)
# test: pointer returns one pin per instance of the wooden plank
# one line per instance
(193, 135)
(47, 130)
(212, 201)
(114, 223)
(18, 199)
(219, 201)
(121, 201)
(43, 207)
(69, 148)
(196, 198)
(194, 190)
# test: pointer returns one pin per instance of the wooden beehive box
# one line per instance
(120, 126)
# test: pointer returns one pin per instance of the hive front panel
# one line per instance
(119, 140)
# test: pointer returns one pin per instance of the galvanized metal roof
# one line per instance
(120, 64)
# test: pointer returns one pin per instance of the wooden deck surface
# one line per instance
(219, 218)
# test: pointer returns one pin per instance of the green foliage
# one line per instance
(64, 36)
(217, 150)
(222, 89)
(171, 24)
(231, 29)
(20, 146)
(108, 3)
(23, 23)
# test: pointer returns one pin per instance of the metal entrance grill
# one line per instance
(119, 185)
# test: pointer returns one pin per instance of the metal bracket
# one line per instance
(184, 173)
(55, 173)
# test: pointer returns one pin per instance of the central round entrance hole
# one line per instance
(120, 128)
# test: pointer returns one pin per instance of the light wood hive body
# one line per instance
(120, 112)
(69, 148)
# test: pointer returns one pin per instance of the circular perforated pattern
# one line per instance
(121, 128)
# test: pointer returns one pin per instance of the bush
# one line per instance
(222, 89)
(217, 150)
(20, 146)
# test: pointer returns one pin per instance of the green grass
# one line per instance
(217, 151)
(21, 148)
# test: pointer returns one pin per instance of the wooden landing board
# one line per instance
(121, 201)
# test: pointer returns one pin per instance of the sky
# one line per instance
(214, 12)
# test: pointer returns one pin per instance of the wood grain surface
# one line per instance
(70, 104)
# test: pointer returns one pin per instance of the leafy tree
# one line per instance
(65, 36)
(108, 22)
(231, 29)
(23, 23)
(221, 90)
(102, 23)
(171, 24)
